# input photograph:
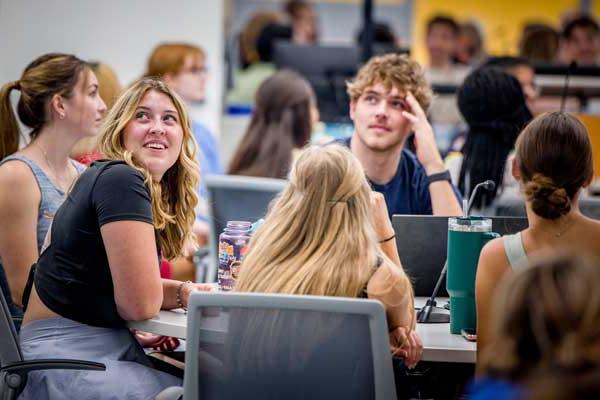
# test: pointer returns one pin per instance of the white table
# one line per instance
(438, 343)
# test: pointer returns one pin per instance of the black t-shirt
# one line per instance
(73, 277)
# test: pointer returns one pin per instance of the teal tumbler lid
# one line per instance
(470, 224)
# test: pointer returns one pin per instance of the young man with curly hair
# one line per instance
(388, 97)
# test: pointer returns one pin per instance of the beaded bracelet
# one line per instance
(178, 295)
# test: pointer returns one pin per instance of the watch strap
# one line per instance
(440, 176)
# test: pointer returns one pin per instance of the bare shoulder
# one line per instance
(17, 184)
(15, 172)
(592, 234)
(492, 260)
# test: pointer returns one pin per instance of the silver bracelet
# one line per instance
(178, 295)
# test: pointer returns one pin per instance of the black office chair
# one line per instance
(14, 370)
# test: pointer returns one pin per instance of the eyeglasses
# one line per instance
(195, 70)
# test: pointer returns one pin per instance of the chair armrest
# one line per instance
(170, 393)
(33, 365)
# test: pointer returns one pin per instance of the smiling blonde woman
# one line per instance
(101, 266)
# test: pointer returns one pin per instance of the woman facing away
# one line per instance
(328, 234)
(546, 322)
(283, 119)
(101, 266)
(553, 162)
(59, 101)
(495, 109)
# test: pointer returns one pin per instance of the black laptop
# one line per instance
(422, 242)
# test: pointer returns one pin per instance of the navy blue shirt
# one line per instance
(408, 191)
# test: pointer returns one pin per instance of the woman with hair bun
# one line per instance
(553, 162)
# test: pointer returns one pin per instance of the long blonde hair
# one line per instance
(174, 197)
(317, 238)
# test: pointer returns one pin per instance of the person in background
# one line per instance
(86, 150)
(546, 321)
(247, 81)
(521, 69)
(249, 36)
(470, 49)
(183, 68)
(444, 75)
(442, 42)
(328, 234)
(60, 103)
(493, 104)
(553, 162)
(100, 265)
(282, 122)
(539, 43)
(383, 35)
(388, 97)
(580, 41)
(304, 22)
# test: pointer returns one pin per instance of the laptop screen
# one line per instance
(422, 242)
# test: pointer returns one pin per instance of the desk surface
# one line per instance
(438, 343)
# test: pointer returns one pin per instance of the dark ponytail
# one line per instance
(46, 76)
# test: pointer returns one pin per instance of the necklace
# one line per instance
(59, 182)
(556, 234)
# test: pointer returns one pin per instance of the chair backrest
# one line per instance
(422, 242)
(235, 198)
(270, 346)
(9, 342)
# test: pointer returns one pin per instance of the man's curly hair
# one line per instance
(392, 70)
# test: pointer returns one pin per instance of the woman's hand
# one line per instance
(406, 344)
(190, 287)
(154, 341)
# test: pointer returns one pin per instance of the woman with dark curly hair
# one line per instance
(553, 162)
(494, 107)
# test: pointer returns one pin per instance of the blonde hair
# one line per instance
(317, 238)
(174, 197)
(546, 317)
(393, 71)
(168, 58)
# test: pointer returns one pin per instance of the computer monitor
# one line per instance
(422, 242)
(327, 68)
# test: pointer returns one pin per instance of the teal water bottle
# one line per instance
(466, 238)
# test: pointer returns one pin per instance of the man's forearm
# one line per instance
(443, 199)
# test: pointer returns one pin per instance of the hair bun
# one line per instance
(547, 200)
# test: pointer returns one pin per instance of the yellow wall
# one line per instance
(501, 20)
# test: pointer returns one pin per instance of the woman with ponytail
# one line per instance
(60, 104)
(495, 109)
(282, 122)
(553, 162)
